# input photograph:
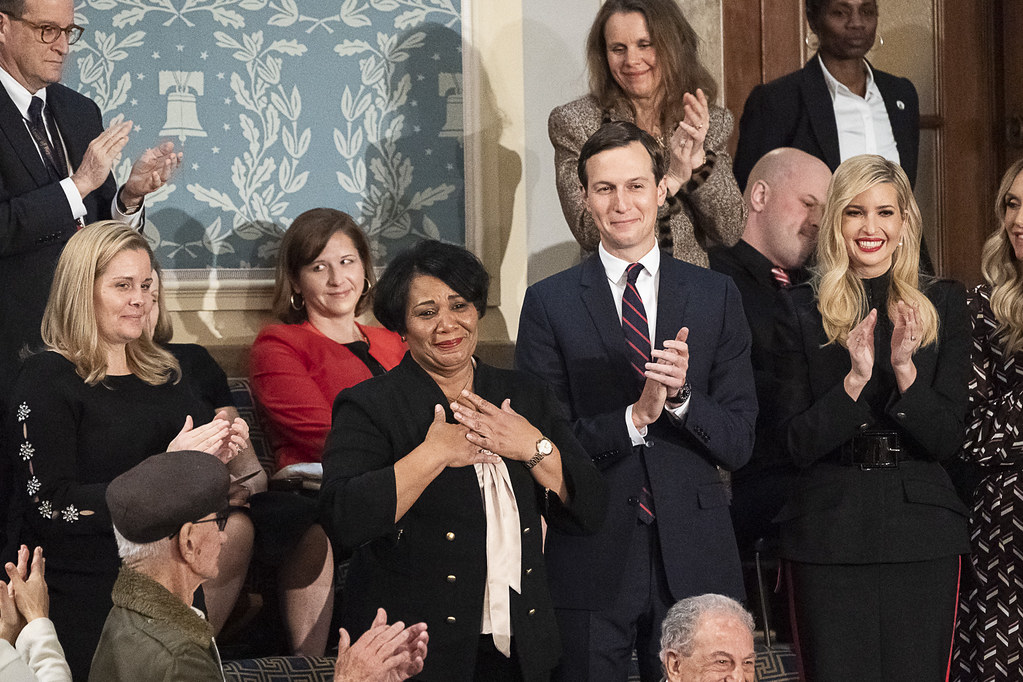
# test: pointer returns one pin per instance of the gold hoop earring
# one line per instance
(301, 301)
(367, 285)
(880, 40)
(812, 45)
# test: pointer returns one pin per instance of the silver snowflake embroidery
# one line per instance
(70, 514)
(46, 509)
(23, 412)
(27, 451)
(33, 485)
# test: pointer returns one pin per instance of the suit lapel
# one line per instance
(596, 297)
(821, 110)
(13, 128)
(672, 299)
(67, 119)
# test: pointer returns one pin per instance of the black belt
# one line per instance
(875, 450)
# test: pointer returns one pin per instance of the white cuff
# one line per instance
(74, 198)
(134, 220)
(638, 436)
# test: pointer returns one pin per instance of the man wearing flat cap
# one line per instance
(168, 514)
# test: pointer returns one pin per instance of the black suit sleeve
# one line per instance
(813, 428)
(358, 498)
(33, 216)
(604, 436)
(934, 413)
(722, 419)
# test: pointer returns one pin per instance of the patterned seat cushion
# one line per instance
(241, 392)
(280, 669)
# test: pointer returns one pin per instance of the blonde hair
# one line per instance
(69, 322)
(841, 297)
(1003, 272)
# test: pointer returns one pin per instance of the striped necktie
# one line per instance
(634, 323)
(781, 277)
(637, 335)
(56, 164)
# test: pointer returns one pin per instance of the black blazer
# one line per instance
(796, 111)
(431, 565)
(570, 335)
(35, 219)
(840, 513)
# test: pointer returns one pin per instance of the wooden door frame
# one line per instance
(763, 40)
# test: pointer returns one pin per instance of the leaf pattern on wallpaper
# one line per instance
(281, 106)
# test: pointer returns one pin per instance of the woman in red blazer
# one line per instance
(324, 279)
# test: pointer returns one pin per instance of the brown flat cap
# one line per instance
(153, 499)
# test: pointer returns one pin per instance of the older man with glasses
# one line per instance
(169, 514)
(55, 163)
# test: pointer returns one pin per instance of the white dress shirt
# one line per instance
(22, 99)
(647, 284)
(863, 123)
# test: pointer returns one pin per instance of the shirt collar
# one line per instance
(615, 267)
(18, 93)
(835, 87)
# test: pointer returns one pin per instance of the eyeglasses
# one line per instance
(48, 33)
(221, 518)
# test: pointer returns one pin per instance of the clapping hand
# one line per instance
(664, 377)
(100, 156)
(906, 338)
(384, 653)
(26, 597)
(686, 145)
(861, 354)
(151, 172)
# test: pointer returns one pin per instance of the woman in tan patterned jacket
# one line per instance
(643, 66)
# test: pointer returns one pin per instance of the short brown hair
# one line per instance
(302, 243)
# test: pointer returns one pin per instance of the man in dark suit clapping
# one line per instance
(650, 356)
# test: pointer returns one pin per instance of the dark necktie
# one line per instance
(56, 164)
(781, 277)
(637, 335)
(634, 322)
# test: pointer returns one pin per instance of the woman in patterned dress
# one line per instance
(989, 642)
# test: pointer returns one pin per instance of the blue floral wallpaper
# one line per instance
(283, 106)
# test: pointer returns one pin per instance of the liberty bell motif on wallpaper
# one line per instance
(449, 86)
(182, 117)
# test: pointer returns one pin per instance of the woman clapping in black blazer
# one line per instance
(877, 358)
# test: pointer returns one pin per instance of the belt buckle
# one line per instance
(882, 451)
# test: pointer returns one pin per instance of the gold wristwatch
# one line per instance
(543, 448)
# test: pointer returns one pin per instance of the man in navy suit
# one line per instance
(661, 419)
(52, 186)
(49, 189)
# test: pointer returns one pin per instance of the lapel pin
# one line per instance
(900, 104)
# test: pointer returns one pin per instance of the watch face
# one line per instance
(544, 446)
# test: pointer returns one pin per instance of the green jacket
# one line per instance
(151, 634)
